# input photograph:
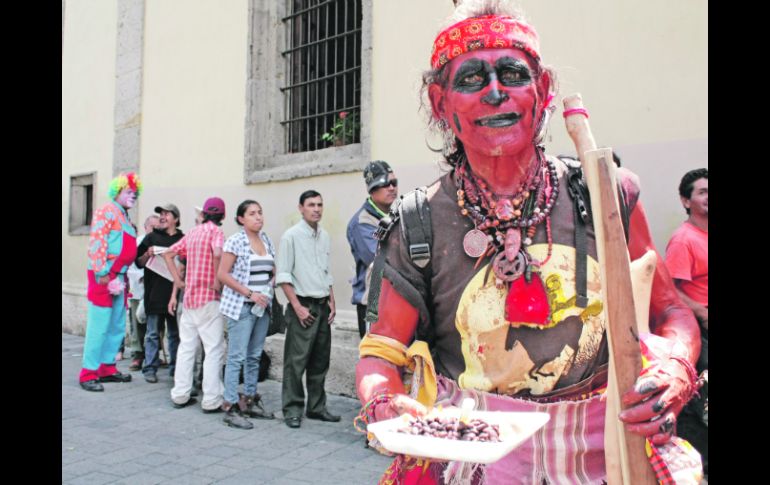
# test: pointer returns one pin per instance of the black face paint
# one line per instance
(457, 123)
(471, 76)
(534, 110)
(495, 97)
(474, 74)
(513, 72)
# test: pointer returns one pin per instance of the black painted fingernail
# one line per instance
(647, 387)
(667, 426)
(658, 406)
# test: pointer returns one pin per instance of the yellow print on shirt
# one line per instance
(480, 319)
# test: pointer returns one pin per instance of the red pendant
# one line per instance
(527, 302)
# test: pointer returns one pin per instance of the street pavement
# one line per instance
(131, 434)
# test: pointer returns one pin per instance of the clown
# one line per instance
(111, 250)
(508, 311)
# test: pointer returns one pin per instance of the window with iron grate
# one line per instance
(322, 95)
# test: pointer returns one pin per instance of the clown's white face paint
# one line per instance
(126, 198)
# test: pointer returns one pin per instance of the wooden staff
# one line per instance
(625, 456)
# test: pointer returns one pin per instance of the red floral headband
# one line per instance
(488, 32)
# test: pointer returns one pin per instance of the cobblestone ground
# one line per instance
(131, 434)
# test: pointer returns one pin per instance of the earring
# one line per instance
(542, 126)
(449, 146)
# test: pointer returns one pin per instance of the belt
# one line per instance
(315, 300)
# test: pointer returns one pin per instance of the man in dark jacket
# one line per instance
(382, 186)
(157, 292)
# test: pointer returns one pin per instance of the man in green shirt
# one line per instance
(304, 275)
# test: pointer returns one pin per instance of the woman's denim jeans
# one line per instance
(246, 338)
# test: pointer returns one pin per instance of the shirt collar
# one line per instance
(303, 223)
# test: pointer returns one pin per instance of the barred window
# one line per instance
(81, 203)
(322, 98)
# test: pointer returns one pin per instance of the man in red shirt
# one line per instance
(687, 252)
(202, 247)
(687, 260)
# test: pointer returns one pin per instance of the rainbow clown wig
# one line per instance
(123, 180)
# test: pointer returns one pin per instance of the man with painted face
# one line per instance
(496, 314)
(111, 250)
(382, 186)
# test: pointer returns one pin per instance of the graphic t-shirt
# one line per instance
(467, 310)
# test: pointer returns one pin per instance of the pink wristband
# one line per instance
(571, 111)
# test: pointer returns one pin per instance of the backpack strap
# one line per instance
(414, 215)
(578, 191)
(378, 266)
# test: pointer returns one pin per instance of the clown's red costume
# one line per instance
(111, 250)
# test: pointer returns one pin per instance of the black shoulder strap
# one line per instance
(414, 215)
(412, 212)
(579, 193)
(378, 266)
(578, 190)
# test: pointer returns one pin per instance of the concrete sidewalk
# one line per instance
(130, 433)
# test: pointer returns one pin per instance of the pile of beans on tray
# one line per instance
(453, 429)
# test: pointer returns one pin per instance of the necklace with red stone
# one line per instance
(497, 219)
(499, 224)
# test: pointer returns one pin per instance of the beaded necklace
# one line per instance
(500, 222)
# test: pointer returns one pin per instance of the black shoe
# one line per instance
(324, 416)
(92, 385)
(194, 393)
(152, 378)
(293, 421)
(192, 400)
(116, 377)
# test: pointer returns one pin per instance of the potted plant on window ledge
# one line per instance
(343, 130)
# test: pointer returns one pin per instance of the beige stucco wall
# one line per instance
(641, 69)
(88, 94)
(194, 93)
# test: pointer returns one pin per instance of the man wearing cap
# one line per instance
(201, 320)
(382, 186)
(157, 291)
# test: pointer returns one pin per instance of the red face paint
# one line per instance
(493, 95)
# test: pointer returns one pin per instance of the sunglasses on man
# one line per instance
(390, 183)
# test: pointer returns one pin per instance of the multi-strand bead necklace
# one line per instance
(501, 221)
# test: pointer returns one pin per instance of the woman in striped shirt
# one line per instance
(247, 272)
